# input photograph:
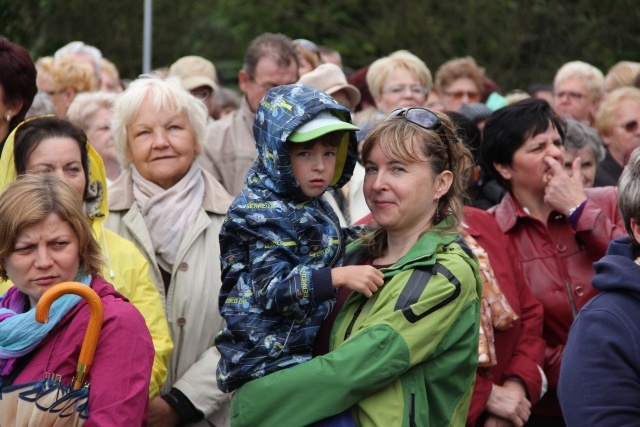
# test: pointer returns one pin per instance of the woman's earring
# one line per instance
(437, 216)
(8, 117)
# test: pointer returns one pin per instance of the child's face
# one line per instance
(313, 166)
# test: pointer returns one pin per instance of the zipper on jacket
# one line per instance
(412, 410)
(347, 334)
(571, 301)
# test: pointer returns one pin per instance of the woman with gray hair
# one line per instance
(91, 111)
(173, 210)
(582, 141)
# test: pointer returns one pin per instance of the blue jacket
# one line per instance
(600, 372)
(278, 246)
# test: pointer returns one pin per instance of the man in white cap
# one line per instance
(198, 76)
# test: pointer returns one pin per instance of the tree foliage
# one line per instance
(517, 42)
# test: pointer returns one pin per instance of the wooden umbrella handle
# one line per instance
(92, 334)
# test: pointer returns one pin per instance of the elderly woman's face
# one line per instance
(625, 132)
(588, 167)
(100, 136)
(162, 145)
(401, 89)
(61, 157)
(45, 254)
(402, 196)
(461, 91)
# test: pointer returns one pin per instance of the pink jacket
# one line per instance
(557, 262)
(121, 371)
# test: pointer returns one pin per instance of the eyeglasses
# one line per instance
(630, 126)
(574, 96)
(426, 119)
(460, 94)
(400, 89)
(264, 86)
(202, 92)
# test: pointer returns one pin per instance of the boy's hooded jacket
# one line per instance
(278, 246)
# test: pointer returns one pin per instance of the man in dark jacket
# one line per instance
(600, 374)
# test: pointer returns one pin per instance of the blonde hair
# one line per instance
(86, 104)
(622, 74)
(29, 200)
(458, 68)
(70, 73)
(592, 78)
(381, 69)
(606, 115)
(166, 95)
(110, 68)
(400, 139)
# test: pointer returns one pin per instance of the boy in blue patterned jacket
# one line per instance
(281, 244)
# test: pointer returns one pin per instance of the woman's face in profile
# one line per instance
(45, 254)
(61, 157)
(401, 195)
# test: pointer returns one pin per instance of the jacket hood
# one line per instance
(281, 111)
(617, 271)
(95, 199)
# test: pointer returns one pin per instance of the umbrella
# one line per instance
(49, 402)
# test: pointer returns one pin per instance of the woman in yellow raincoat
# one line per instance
(53, 145)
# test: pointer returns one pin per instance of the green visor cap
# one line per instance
(321, 124)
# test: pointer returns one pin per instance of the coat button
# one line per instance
(579, 291)
(181, 321)
(561, 247)
(183, 266)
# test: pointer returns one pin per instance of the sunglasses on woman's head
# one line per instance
(426, 119)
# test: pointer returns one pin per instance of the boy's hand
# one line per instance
(359, 278)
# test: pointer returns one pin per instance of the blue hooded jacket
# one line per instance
(278, 246)
(600, 373)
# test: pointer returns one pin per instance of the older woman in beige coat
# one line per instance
(172, 210)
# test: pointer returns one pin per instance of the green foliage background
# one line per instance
(518, 42)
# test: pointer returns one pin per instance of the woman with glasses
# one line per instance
(399, 80)
(459, 81)
(557, 228)
(617, 123)
(408, 355)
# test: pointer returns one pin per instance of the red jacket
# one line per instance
(121, 371)
(520, 349)
(557, 262)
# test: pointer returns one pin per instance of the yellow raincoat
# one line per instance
(125, 267)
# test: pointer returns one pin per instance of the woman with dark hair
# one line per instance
(50, 145)
(557, 228)
(17, 86)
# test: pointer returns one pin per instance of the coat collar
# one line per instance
(216, 199)
(507, 213)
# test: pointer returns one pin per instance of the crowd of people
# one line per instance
(325, 247)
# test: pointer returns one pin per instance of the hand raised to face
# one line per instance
(564, 191)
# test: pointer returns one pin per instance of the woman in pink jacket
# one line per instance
(45, 240)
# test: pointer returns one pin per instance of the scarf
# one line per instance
(495, 312)
(20, 333)
(169, 213)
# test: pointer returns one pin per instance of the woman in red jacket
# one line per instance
(556, 227)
